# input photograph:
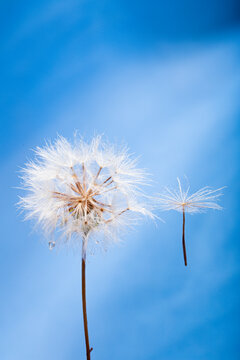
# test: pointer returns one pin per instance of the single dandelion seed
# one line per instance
(83, 190)
(181, 201)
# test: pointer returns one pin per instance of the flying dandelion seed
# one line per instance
(83, 190)
(181, 201)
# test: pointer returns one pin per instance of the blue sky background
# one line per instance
(163, 77)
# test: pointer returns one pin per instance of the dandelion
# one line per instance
(181, 201)
(83, 191)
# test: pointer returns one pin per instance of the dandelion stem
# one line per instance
(183, 240)
(84, 306)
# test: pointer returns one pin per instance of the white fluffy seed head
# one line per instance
(180, 200)
(83, 189)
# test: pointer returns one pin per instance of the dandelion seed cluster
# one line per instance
(83, 188)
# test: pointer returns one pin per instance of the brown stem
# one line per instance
(183, 240)
(84, 306)
(106, 180)
(99, 170)
(84, 177)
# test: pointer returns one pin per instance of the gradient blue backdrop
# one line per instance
(163, 77)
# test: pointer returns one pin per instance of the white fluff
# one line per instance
(83, 189)
(180, 200)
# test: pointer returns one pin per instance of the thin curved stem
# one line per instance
(84, 306)
(183, 240)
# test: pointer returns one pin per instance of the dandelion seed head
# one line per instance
(83, 189)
